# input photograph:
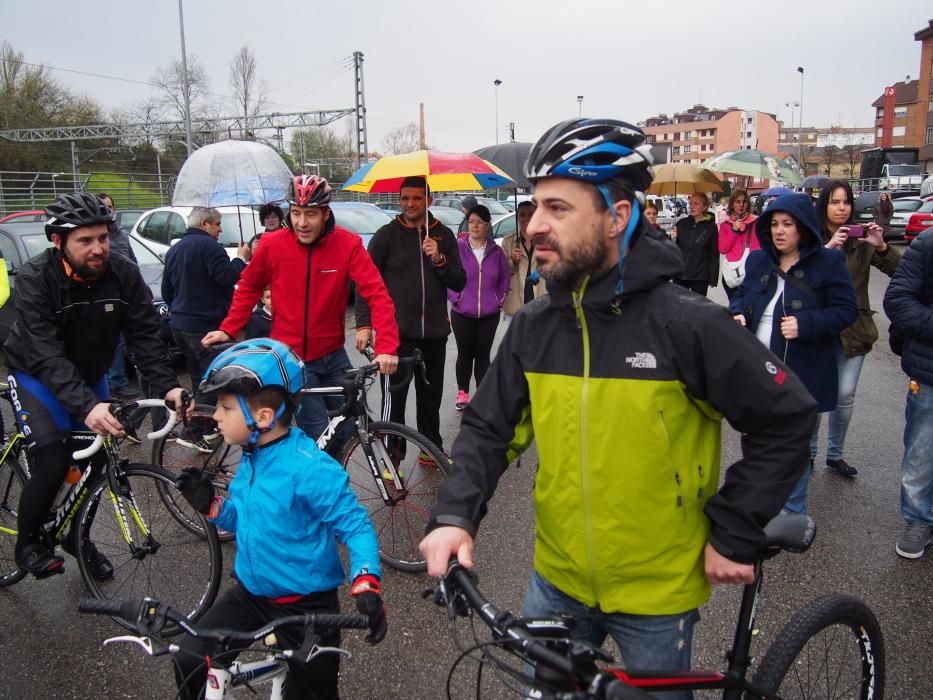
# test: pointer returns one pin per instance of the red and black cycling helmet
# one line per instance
(74, 210)
(308, 191)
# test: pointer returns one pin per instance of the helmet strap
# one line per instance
(255, 430)
(624, 241)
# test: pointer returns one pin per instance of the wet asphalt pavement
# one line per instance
(49, 650)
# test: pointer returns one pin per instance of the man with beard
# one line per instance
(622, 378)
(72, 303)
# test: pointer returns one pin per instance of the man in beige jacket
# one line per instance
(520, 251)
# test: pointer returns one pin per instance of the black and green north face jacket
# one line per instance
(626, 409)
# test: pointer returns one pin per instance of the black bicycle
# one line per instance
(831, 648)
(394, 471)
(119, 507)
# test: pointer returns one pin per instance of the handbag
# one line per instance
(734, 272)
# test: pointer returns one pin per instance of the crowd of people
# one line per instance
(609, 341)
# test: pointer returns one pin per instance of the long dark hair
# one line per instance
(884, 205)
(822, 204)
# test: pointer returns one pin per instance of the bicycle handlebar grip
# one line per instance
(88, 451)
(343, 620)
(124, 609)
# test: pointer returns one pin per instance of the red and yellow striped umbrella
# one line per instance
(445, 172)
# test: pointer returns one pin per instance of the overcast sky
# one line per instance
(628, 60)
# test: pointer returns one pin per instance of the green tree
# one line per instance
(321, 151)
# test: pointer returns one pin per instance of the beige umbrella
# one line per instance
(680, 178)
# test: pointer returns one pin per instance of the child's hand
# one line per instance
(197, 488)
(367, 592)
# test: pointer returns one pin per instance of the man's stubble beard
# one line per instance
(591, 255)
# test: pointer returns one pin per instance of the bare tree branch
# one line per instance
(249, 92)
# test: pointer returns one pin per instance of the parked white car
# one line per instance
(163, 226)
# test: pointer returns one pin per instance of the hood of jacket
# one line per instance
(652, 259)
(800, 206)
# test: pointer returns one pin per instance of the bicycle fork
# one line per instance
(380, 462)
(118, 492)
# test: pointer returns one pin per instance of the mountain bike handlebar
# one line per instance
(597, 685)
(93, 448)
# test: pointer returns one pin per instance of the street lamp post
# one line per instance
(800, 124)
(793, 104)
(579, 105)
(495, 86)
(186, 86)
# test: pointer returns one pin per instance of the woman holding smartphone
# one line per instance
(863, 246)
(796, 298)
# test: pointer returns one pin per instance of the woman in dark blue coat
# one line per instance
(796, 297)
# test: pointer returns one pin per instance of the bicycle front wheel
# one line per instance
(152, 553)
(831, 648)
(12, 479)
(214, 456)
(400, 520)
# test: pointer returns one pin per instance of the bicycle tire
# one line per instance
(399, 526)
(221, 463)
(12, 480)
(841, 627)
(158, 570)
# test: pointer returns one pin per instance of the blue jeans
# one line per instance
(849, 369)
(312, 410)
(917, 467)
(797, 501)
(647, 642)
(116, 375)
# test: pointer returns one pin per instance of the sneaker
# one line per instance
(99, 565)
(913, 541)
(463, 399)
(205, 443)
(387, 475)
(842, 468)
(426, 460)
(41, 562)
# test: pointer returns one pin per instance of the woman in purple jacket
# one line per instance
(474, 312)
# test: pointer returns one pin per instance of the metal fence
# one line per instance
(23, 191)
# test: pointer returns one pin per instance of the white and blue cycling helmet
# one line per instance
(249, 367)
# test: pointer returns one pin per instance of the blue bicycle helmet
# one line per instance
(601, 152)
(249, 367)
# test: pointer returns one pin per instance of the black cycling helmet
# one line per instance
(74, 210)
(593, 150)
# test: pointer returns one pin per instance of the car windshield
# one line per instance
(35, 244)
(361, 220)
(903, 170)
(927, 206)
(907, 204)
(232, 222)
(493, 206)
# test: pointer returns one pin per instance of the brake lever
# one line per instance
(318, 650)
(145, 643)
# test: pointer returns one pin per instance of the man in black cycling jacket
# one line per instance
(72, 302)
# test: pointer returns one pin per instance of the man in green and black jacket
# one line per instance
(623, 378)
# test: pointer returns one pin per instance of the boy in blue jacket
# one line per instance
(286, 523)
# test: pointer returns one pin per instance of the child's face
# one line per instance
(267, 298)
(230, 420)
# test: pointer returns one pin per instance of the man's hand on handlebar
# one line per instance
(102, 421)
(215, 337)
(720, 569)
(443, 543)
(387, 363)
(363, 337)
(182, 400)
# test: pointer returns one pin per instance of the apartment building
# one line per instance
(925, 96)
(898, 118)
(701, 132)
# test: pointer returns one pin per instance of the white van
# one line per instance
(666, 216)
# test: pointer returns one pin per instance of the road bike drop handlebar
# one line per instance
(169, 406)
(458, 592)
(353, 379)
(149, 617)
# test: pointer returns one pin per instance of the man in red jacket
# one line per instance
(308, 266)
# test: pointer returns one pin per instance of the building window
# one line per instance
(811, 136)
(748, 134)
(929, 134)
(880, 113)
(899, 131)
(900, 111)
(880, 133)
(686, 149)
(676, 150)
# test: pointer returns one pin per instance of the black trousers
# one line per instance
(474, 344)
(698, 286)
(238, 609)
(197, 357)
(427, 395)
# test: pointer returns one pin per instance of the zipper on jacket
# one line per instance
(584, 457)
(424, 292)
(304, 337)
(479, 289)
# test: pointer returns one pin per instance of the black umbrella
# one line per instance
(814, 182)
(511, 158)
